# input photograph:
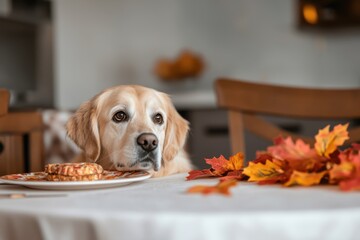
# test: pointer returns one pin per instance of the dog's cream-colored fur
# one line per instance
(113, 144)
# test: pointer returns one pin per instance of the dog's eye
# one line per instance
(158, 119)
(120, 117)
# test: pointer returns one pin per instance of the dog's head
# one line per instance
(129, 128)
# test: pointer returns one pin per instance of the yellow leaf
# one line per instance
(341, 171)
(235, 162)
(305, 179)
(221, 188)
(327, 142)
(261, 172)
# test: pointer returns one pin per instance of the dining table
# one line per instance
(161, 208)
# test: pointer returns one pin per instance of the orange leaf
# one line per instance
(235, 162)
(327, 142)
(221, 188)
(194, 174)
(304, 178)
(341, 171)
(261, 172)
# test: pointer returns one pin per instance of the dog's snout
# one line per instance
(147, 141)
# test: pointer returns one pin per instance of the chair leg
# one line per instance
(237, 138)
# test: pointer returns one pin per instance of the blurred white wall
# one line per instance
(109, 42)
(105, 43)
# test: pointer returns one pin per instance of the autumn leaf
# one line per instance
(221, 167)
(221, 188)
(237, 174)
(218, 164)
(298, 154)
(307, 165)
(285, 148)
(328, 141)
(195, 174)
(235, 162)
(284, 173)
(262, 157)
(356, 146)
(351, 155)
(347, 172)
(350, 185)
(341, 171)
(304, 178)
(261, 172)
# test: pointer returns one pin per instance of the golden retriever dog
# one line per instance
(131, 127)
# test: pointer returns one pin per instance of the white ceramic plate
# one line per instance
(110, 179)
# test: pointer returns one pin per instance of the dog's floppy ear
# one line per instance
(175, 133)
(83, 129)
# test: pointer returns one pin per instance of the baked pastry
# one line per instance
(73, 171)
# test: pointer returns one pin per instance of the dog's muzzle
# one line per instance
(147, 161)
(148, 143)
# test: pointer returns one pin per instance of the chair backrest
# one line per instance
(4, 101)
(245, 101)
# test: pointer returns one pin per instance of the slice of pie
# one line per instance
(73, 171)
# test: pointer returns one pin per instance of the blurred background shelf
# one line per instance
(196, 99)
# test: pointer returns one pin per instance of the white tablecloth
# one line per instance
(160, 209)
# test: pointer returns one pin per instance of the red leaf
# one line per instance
(195, 174)
(349, 185)
(356, 146)
(287, 149)
(351, 155)
(237, 174)
(217, 164)
(299, 155)
(304, 165)
(262, 158)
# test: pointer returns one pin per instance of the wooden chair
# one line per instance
(245, 101)
(4, 101)
(21, 139)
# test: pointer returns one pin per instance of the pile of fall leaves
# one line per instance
(289, 163)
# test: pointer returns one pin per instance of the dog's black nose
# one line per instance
(147, 141)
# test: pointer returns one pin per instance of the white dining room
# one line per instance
(179, 119)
